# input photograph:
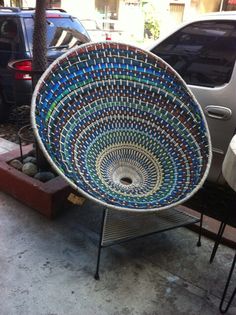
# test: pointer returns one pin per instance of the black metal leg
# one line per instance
(200, 230)
(96, 276)
(217, 241)
(202, 205)
(226, 288)
(21, 152)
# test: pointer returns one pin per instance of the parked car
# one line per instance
(16, 38)
(102, 30)
(203, 52)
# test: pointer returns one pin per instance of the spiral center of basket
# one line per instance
(128, 170)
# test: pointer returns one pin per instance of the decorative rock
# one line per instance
(29, 169)
(16, 164)
(44, 176)
(30, 159)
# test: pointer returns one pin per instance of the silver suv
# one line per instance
(203, 52)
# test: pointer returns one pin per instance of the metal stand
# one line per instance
(200, 230)
(122, 226)
(224, 310)
(29, 138)
(217, 242)
(202, 207)
(96, 276)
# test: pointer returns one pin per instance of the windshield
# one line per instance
(63, 32)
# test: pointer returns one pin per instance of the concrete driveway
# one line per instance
(47, 268)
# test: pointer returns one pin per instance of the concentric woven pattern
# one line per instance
(122, 127)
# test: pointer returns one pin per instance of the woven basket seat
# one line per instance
(121, 126)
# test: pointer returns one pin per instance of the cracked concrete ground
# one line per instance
(47, 268)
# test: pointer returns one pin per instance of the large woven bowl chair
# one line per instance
(121, 126)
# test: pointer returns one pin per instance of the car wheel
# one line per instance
(4, 109)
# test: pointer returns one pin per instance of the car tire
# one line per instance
(4, 109)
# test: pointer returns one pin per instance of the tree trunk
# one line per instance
(39, 63)
(39, 41)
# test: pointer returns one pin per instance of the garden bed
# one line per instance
(46, 197)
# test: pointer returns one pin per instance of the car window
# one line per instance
(9, 40)
(62, 32)
(90, 24)
(203, 53)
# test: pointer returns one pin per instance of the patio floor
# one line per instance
(47, 268)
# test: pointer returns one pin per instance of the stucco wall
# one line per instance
(209, 6)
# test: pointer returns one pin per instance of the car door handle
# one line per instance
(218, 112)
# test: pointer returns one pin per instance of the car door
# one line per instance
(204, 54)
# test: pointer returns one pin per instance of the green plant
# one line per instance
(151, 24)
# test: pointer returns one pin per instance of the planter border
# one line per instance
(47, 198)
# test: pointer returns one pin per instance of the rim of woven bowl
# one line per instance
(77, 188)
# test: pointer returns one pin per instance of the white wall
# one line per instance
(80, 8)
(131, 21)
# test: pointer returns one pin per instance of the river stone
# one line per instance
(44, 176)
(29, 169)
(16, 164)
(30, 159)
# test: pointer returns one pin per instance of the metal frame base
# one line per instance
(121, 226)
